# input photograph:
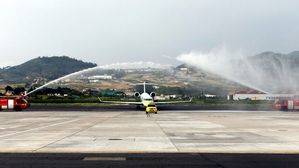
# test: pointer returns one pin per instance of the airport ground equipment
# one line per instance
(151, 108)
(17, 103)
(286, 104)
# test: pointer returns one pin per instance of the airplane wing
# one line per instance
(120, 102)
(174, 102)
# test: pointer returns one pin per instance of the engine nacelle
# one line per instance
(153, 94)
(137, 94)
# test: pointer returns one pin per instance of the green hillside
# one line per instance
(46, 68)
(278, 71)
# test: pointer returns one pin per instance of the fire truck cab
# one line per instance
(287, 105)
(13, 103)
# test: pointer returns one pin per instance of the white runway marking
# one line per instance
(168, 131)
(33, 129)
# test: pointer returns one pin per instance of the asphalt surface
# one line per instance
(177, 107)
(148, 160)
(128, 138)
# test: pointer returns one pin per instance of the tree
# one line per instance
(19, 90)
(9, 89)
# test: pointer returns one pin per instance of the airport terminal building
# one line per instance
(257, 95)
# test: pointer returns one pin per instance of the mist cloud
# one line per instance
(268, 72)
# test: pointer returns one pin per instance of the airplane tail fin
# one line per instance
(144, 84)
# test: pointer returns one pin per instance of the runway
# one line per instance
(133, 131)
(127, 133)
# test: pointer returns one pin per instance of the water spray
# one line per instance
(264, 73)
(130, 65)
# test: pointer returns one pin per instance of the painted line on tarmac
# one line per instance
(80, 130)
(88, 158)
(171, 142)
(33, 129)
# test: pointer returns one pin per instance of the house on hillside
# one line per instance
(210, 96)
(247, 95)
(98, 78)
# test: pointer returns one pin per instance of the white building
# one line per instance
(256, 95)
(210, 96)
(97, 78)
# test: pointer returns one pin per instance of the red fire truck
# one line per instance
(285, 104)
(17, 103)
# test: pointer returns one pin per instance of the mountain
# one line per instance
(273, 72)
(267, 71)
(181, 80)
(43, 68)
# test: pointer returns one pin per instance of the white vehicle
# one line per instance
(145, 99)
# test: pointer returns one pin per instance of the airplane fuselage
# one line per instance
(146, 99)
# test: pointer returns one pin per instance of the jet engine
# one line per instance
(152, 94)
(136, 94)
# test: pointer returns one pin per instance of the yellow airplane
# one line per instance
(146, 100)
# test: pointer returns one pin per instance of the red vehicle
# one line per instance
(17, 103)
(286, 104)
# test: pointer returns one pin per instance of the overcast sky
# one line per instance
(109, 31)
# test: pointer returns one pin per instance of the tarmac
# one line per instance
(133, 139)
(134, 132)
